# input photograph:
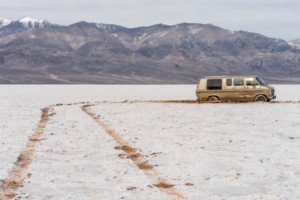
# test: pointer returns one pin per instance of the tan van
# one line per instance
(234, 88)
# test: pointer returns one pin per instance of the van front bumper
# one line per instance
(272, 97)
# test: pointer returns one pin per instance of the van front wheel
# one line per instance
(261, 98)
(213, 99)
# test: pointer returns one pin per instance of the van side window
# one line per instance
(229, 82)
(214, 84)
(238, 81)
(249, 82)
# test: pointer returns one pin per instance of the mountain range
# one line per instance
(37, 51)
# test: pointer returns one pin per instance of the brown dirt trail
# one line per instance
(137, 158)
(18, 174)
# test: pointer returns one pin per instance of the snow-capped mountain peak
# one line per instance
(24, 23)
(28, 19)
(4, 22)
(29, 22)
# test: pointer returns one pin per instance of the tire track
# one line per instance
(186, 101)
(18, 174)
(137, 158)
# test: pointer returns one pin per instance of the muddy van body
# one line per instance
(234, 89)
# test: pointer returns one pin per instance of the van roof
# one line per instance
(236, 76)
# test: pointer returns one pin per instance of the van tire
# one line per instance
(261, 98)
(213, 99)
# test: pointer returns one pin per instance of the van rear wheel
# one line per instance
(213, 99)
(261, 98)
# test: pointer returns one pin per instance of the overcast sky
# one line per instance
(274, 18)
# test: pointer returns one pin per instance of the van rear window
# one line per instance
(214, 84)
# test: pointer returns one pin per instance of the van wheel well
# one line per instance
(213, 98)
(261, 98)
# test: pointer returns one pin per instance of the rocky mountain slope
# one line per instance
(36, 51)
(295, 43)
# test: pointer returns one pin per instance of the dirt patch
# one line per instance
(52, 114)
(163, 185)
(132, 188)
(122, 155)
(155, 154)
(178, 101)
(160, 101)
(145, 166)
(189, 184)
(126, 148)
(15, 178)
(136, 156)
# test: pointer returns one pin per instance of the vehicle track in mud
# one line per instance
(186, 102)
(18, 174)
(136, 156)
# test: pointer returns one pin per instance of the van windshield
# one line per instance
(261, 81)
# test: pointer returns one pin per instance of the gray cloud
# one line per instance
(274, 18)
